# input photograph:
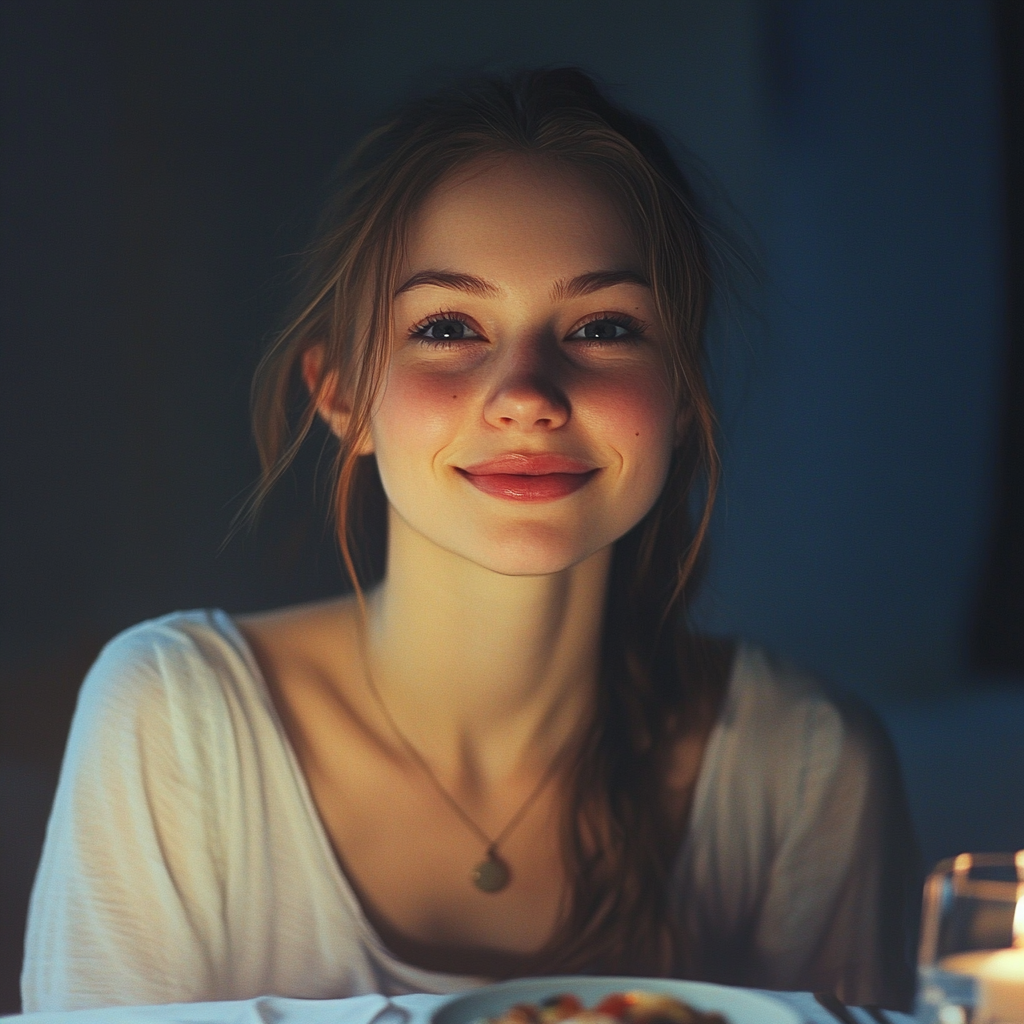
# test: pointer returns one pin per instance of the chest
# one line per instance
(410, 857)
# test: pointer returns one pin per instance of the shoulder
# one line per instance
(783, 741)
(184, 650)
(167, 680)
(772, 704)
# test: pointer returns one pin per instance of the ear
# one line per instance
(324, 391)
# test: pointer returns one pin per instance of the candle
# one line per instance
(999, 974)
(1000, 977)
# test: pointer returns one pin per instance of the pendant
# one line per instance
(491, 874)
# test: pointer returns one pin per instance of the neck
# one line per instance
(485, 674)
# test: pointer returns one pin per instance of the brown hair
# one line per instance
(618, 837)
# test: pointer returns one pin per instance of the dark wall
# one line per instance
(161, 163)
(998, 635)
(860, 456)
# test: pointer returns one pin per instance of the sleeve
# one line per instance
(838, 906)
(127, 903)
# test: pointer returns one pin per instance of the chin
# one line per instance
(530, 552)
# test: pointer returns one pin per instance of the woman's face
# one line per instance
(526, 421)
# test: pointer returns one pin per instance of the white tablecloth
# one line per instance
(358, 1010)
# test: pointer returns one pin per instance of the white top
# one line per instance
(185, 859)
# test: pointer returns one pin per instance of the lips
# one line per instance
(519, 476)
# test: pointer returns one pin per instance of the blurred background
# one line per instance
(162, 163)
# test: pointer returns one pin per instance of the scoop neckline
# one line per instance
(403, 969)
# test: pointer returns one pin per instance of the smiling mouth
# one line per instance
(522, 477)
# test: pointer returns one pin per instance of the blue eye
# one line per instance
(444, 328)
(608, 328)
(602, 330)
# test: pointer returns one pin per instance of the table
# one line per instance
(413, 1009)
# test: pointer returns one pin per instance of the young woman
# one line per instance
(506, 755)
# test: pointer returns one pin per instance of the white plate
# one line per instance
(737, 1005)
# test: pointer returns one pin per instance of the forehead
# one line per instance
(512, 215)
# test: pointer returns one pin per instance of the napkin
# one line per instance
(372, 1009)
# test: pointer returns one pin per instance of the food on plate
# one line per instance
(636, 1007)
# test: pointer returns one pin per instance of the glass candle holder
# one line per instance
(971, 961)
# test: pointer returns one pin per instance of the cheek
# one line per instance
(417, 412)
(635, 414)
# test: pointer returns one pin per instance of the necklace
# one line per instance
(492, 874)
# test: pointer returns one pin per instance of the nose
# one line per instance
(526, 395)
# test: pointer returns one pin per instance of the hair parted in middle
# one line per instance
(618, 840)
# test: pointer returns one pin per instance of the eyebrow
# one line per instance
(595, 281)
(575, 287)
(448, 279)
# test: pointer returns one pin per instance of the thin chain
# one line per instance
(491, 844)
